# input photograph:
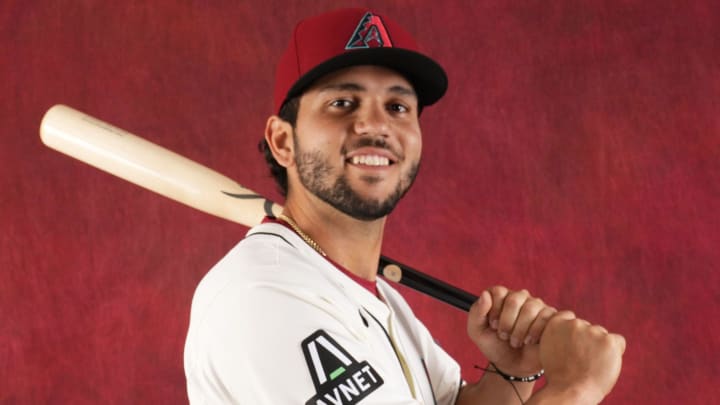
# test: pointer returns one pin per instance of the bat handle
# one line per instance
(438, 289)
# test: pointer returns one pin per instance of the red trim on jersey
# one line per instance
(367, 284)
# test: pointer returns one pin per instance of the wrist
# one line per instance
(555, 394)
(515, 369)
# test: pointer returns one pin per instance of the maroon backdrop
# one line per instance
(575, 154)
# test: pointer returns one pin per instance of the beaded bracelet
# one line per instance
(513, 378)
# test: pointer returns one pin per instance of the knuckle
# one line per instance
(516, 299)
(513, 301)
(536, 303)
(547, 313)
(497, 290)
(578, 323)
(608, 343)
(620, 342)
(564, 315)
(561, 318)
(532, 308)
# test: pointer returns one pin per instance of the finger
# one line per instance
(526, 317)
(620, 341)
(498, 294)
(512, 304)
(478, 314)
(557, 320)
(538, 325)
(564, 315)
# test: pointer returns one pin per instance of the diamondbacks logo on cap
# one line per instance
(339, 379)
(370, 33)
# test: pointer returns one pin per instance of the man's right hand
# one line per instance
(582, 361)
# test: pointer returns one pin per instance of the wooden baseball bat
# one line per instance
(155, 168)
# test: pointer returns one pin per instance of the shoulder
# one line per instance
(269, 258)
(271, 276)
(268, 253)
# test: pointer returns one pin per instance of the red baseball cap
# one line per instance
(349, 37)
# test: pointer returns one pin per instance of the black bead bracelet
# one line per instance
(513, 378)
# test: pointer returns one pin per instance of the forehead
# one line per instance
(365, 77)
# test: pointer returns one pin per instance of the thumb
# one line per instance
(478, 314)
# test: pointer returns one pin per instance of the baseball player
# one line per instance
(295, 313)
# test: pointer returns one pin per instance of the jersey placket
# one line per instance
(392, 340)
(403, 363)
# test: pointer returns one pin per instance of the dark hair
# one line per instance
(288, 112)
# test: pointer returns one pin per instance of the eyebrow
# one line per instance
(349, 86)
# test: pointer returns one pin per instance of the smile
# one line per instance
(370, 160)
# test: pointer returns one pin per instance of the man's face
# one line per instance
(358, 140)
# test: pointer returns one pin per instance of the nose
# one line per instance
(371, 119)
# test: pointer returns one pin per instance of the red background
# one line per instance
(575, 154)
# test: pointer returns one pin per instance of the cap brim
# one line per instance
(427, 76)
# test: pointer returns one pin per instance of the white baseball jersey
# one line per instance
(275, 323)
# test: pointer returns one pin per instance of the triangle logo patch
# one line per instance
(370, 33)
(339, 379)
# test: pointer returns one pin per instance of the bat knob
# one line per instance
(392, 272)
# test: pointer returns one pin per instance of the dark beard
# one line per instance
(314, 170)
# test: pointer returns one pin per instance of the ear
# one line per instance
(279, 137)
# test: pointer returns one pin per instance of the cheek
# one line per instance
(313, 137)
(413, 143)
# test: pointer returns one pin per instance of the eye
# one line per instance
(398, 108)
(341, 103)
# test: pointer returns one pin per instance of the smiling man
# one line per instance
(295, 313)
(368, 175)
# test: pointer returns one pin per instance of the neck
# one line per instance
(352, 243)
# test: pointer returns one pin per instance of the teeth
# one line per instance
(370, 160)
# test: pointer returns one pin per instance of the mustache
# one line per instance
(379, 143)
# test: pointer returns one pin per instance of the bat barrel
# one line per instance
(151, 166)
